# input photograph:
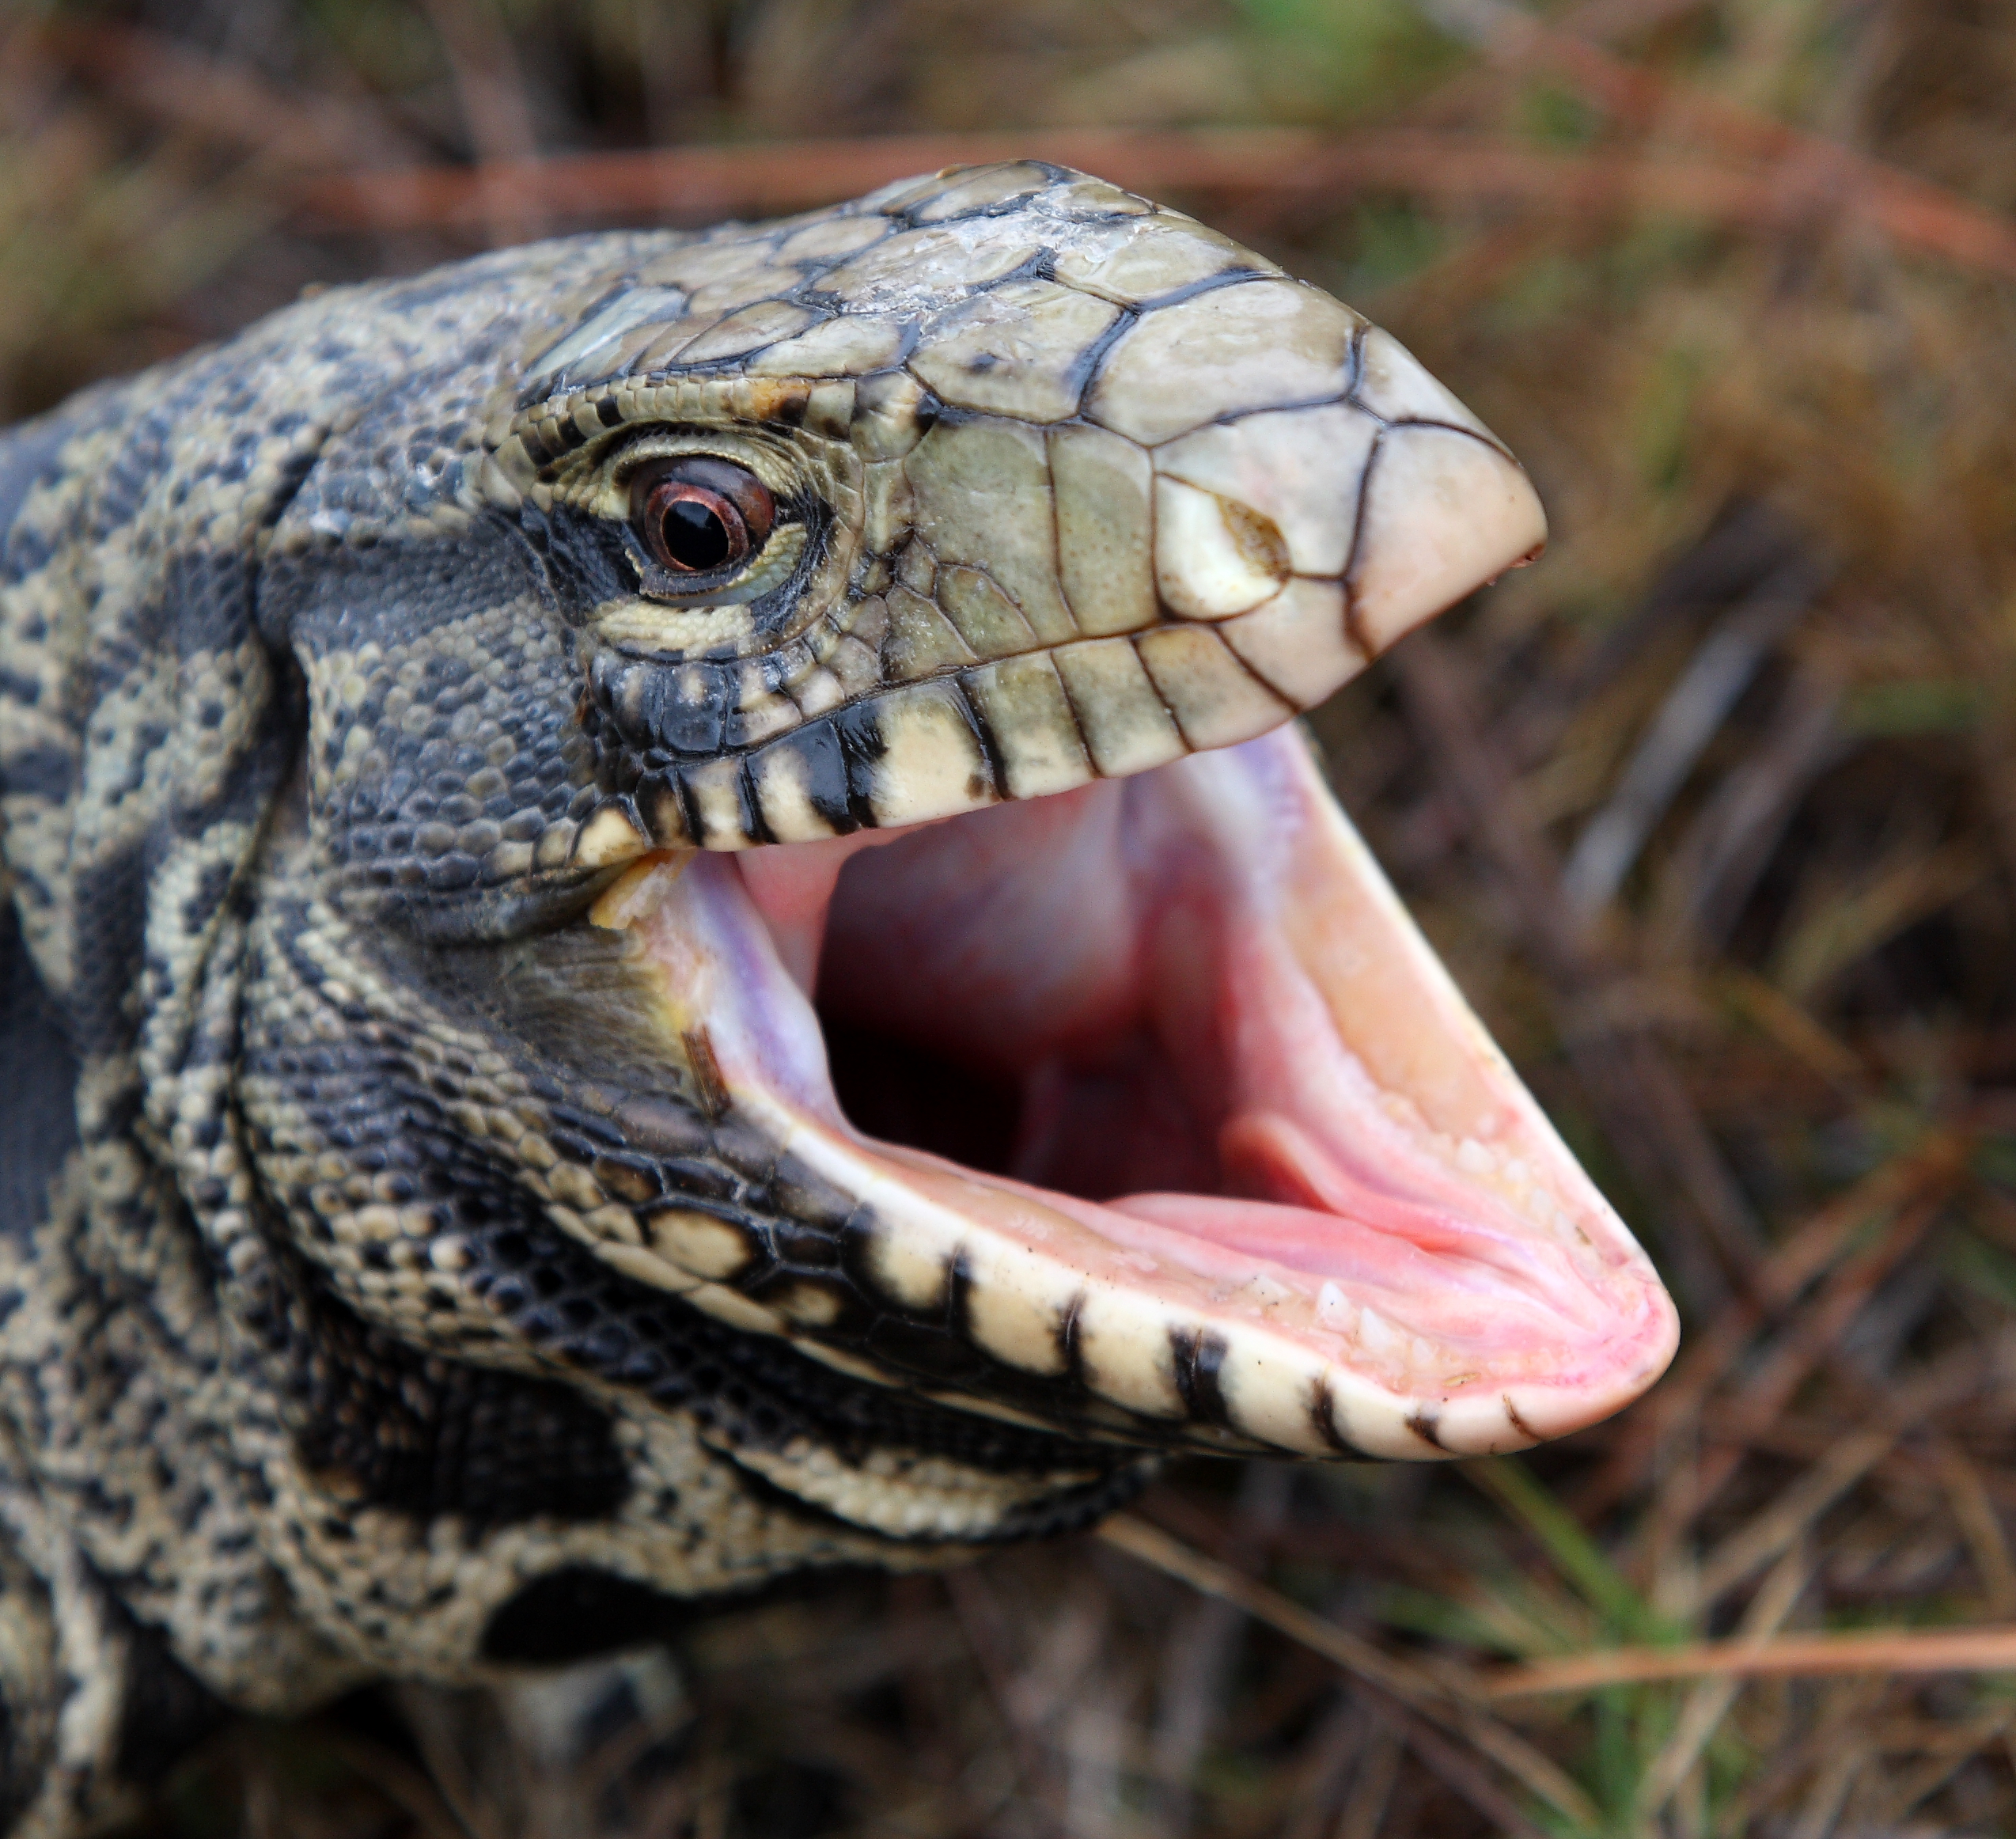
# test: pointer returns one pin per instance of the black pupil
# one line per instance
(694, 536)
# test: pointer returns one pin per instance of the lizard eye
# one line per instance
(698, 516)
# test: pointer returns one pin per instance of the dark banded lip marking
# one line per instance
(1198, 1355)
(858, 729)
(984, 736)
(1323, 1415)
(958, 1289)
(748, 800)
(688, 805)
(1070, 1344)
(1426, 1425)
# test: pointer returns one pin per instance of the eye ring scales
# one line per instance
(698, 516)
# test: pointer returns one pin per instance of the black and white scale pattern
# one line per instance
(378, 1293)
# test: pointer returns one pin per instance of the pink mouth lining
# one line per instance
(1195, 973)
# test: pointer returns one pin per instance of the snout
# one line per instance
(1380, 492)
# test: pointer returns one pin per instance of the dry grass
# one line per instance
(1714, 815)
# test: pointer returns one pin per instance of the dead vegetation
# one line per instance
(1714, 815)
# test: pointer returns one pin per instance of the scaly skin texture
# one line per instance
(387, 1287)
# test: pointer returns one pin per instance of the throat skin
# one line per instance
(432, 898)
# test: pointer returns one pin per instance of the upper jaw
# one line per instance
(1165, 528)
(1390, 1253)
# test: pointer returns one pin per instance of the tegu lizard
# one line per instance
(485, 755)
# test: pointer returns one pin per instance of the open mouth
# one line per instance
(1154, 1090)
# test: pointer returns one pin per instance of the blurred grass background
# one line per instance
(1713, 814)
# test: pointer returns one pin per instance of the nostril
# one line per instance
(1214, 556)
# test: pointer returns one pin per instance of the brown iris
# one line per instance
(697, 516)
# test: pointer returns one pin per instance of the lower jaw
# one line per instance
(1388, 1251)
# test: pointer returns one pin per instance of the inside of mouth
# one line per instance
(972, 1013)
(1169, 1009)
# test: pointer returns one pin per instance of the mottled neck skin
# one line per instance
(419, 1248)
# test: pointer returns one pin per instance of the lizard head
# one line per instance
(808, 954)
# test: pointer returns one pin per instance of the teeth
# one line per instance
(1263, 1291)
(1024, 1306)
(1153, 502)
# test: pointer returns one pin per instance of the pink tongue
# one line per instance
(1448, 1276)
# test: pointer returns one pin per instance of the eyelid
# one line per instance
(660, 603)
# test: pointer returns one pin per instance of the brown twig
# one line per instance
(490, 87)
(1771, 1386)
(1674, 740)
(1708, 1704)
(1202, 1647)
(226, 103)
(699, 182)
(1925, 1176)
(1868, 1650)
(1439, 1698)
(1912, 210)
(979, 1613)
